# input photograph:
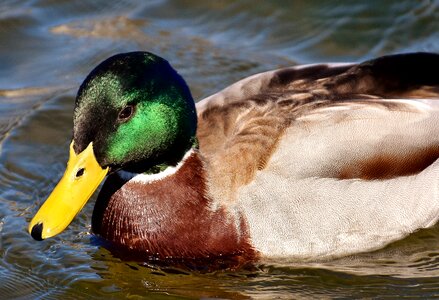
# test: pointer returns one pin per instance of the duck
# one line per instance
(303, 163)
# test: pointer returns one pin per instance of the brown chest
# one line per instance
(170, 219)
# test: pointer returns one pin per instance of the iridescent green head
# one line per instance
(137, 111)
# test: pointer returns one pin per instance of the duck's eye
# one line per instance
(126, 113)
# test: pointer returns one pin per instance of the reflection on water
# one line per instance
(46, 49)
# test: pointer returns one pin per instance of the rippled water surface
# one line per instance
(47, 47)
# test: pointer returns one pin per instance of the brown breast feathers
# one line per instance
(170, 220)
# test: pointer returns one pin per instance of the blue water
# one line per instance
(47, 47)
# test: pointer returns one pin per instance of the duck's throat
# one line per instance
(168, 215)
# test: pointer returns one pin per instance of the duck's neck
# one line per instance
(169, 215)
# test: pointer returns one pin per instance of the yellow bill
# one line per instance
(81, 178)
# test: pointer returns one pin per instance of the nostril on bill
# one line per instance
(37, 232)
(80, 172)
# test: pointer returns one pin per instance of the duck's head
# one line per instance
(132, 112)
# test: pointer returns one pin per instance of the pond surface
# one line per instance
(47, 47)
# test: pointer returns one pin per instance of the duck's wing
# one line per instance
(332, 164)
(346, 179)
(412, 75)
(374, 120)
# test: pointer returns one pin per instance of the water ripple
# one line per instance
(46, 49)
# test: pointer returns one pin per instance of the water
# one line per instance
(47, 47)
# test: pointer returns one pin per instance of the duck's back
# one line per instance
(325, 160)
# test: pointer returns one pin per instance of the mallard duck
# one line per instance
(303, 163)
